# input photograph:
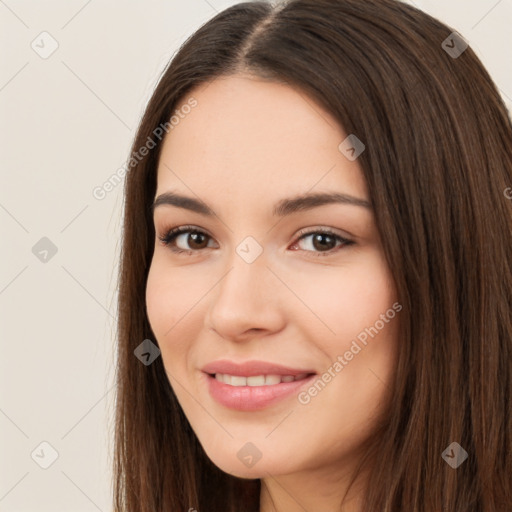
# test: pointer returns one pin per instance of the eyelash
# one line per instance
(171, 234)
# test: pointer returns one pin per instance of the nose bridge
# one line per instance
(247, 276)
(245, 297)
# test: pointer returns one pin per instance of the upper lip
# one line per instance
(252, 368)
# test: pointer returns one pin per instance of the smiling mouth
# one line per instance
(257, 380)
(255, 392)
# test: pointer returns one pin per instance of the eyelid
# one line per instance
(325, 229)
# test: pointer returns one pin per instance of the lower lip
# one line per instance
(253, 398)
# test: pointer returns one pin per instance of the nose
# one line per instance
(246, 301)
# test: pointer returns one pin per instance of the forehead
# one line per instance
(249, 138)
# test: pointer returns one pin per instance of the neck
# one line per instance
(320, 489)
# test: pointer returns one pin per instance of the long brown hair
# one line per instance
(438, 163)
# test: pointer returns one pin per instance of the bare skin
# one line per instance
(247, 145)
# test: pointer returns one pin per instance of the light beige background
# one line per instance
(66, 125)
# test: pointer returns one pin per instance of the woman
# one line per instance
(275, 372)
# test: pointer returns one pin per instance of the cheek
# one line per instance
(367, 324)
(159, 301)
(170, 293)
(355, 320)
(337, 303)
(172, 307)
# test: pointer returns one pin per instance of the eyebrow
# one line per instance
(282, 208)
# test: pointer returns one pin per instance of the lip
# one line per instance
(252, 368)
(252, 398)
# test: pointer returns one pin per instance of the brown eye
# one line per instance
(197, 240)
(191, 238)
(187, 239)
(323, 242)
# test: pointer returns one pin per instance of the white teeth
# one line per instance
(272, 379)
(236, 380)
(257, 380)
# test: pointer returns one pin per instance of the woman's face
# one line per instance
(260, 282)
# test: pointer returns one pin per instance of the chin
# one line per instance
(235, 465)
(248, 473)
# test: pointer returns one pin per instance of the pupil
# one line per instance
(318, 238)
(194, 237)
